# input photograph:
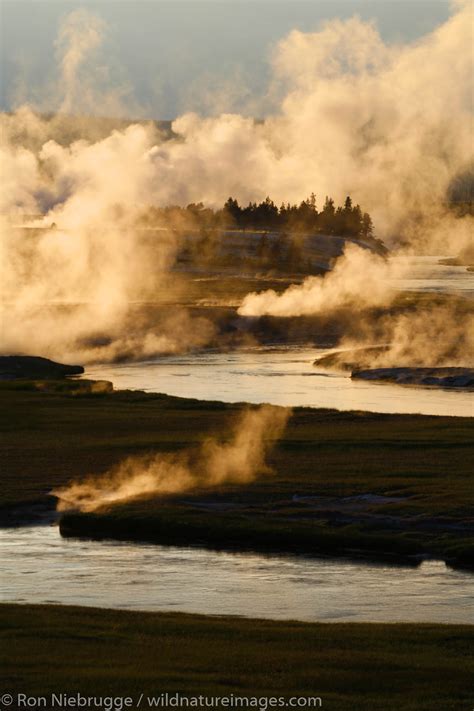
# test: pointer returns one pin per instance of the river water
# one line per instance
(428, 275)
(41, 567)
(280, 377)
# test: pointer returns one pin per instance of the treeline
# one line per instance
(347, 220)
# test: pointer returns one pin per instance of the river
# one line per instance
(280, 376)
(41, 567)
(426, 274)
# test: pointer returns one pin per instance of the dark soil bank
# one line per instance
(435, 377)
(16, 366)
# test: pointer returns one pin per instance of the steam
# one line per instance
(359, 280)
(69, 280)
(79, 35)
(370, 120)
(433, 334)
(77, 276)
(236, 461)
(355, 116)
(436, 335)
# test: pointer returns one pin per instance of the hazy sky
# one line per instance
(179, 55)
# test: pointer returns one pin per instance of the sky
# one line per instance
(174, 56)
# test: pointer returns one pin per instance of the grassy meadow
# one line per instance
(376, 667)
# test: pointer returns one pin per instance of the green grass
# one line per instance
(51, 437)
(378, 667)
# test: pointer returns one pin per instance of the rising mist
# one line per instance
(354, 115)
(238, 459)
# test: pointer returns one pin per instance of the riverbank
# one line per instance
(459, 378)
(464, 259)
(49, 649)
(359, 363)
(344, 483)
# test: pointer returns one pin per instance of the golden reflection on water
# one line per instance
(279, 376)
(39, 566)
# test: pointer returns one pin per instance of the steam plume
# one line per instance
(238, 460)
(359, 279)
(356, 116)
(437, 334)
